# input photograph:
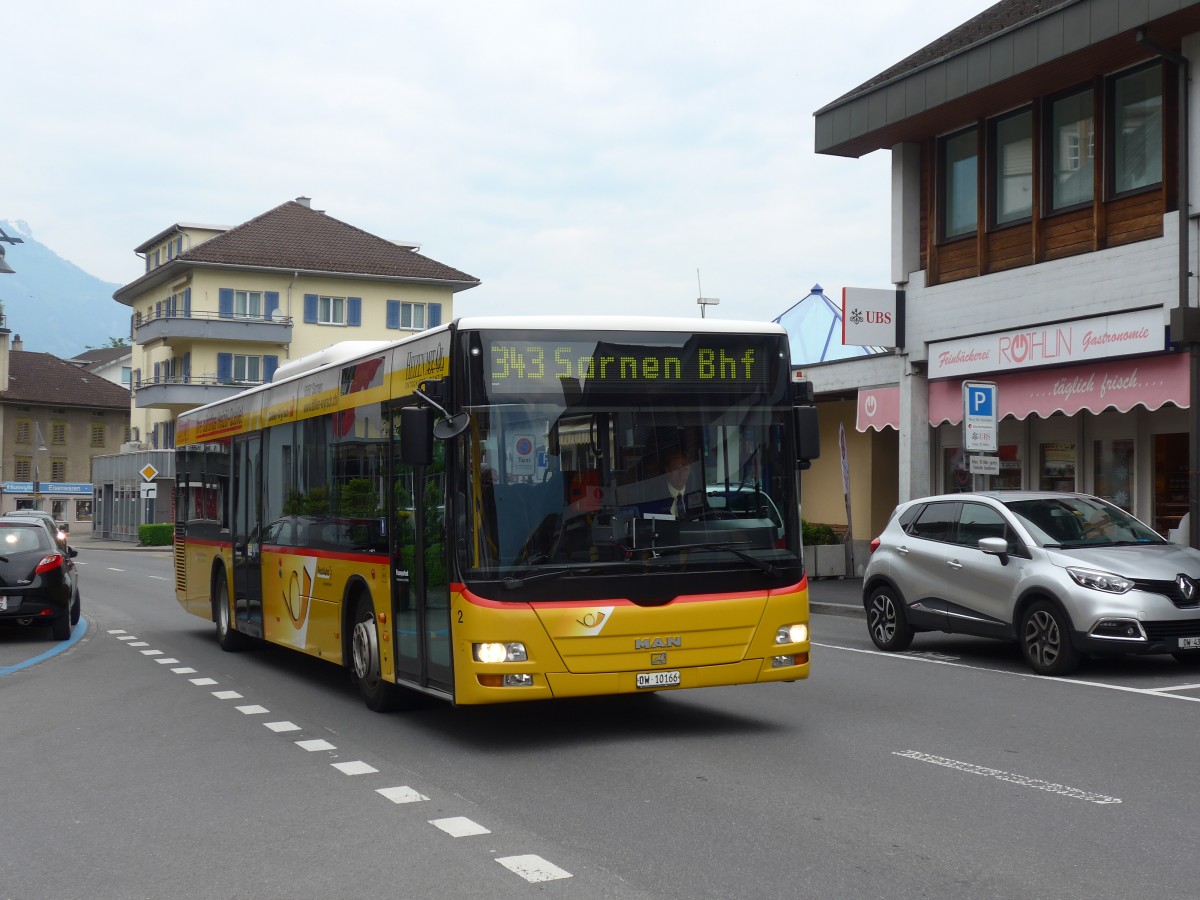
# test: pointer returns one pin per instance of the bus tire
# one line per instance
(227, 638)
(379, 695)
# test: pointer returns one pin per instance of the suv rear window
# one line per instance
(935, 522)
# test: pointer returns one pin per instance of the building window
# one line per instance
(1137, 130)
(412, 315)
(24, 431)
(959, 184)
(126, 375)
(1057, 466)
(247, 369)
(1012, 168)
(97, 434)
(58, 469)
(1072, 152)
(58, 433)
(331, 311)
(1112, 473)
(247, 304)
(22, 468)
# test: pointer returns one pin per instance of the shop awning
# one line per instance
(1120, 384)
(878, 408)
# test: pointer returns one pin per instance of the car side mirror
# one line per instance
(995, 546)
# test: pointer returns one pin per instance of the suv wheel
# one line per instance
(886, 623)
(1046, 639)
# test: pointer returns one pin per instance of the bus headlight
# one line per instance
(496, 652)
(792, 634)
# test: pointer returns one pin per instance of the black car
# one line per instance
(39, 584)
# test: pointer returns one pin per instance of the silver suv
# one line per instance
(1064, 575)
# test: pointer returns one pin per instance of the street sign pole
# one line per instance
(980, 424)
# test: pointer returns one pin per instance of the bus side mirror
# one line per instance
(416, 435)
(808, 433)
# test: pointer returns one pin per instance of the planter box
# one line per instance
(825, 561)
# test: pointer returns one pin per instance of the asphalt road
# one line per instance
(944, 772)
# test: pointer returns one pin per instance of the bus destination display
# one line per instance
(706, 362)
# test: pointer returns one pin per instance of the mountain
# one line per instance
(54, 305)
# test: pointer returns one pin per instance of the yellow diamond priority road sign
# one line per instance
(148, 472)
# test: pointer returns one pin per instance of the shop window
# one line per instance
(1112, 472)
(83, 510)
(1137, 130)
(1072, 135)
(959, 186)
(956, 473)
(1011, 175)
(1056, 466)
(1170, 480)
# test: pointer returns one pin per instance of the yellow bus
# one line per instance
(510, 508)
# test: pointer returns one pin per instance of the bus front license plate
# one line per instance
(657, 679)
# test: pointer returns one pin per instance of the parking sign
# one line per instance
(979, 416)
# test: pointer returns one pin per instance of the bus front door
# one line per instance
(246, 533)
(420, 589)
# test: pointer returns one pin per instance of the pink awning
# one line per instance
(1119, 384)
(879, 408)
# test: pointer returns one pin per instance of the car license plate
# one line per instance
(657, 679)
(1188, 643)
(3, 603)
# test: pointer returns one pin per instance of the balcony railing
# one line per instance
(184, 390)
(211, 326)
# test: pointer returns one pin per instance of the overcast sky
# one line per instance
(573, 156)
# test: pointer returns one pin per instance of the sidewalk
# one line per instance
(84, 540)
(836, 596)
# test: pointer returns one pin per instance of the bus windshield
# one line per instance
(590, 487)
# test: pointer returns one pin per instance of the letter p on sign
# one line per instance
(980, 424)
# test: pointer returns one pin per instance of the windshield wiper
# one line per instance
(760, 564)
(512, 582)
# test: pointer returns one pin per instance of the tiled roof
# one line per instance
(98, 356)
(293, 236)
(989, 23)
(46, 380)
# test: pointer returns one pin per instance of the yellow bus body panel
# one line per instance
(582, 649)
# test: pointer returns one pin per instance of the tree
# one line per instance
(113, 342)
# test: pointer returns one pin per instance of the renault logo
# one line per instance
(1186, 586)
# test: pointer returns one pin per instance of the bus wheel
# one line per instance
(380, 695)
(227, 638)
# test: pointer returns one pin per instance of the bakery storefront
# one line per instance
(1096, 405)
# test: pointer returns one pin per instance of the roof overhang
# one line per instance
(1068, 44)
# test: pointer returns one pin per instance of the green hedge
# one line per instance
(818, 534)
(156, 535)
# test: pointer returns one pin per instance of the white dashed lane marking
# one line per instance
(402, 794)
(315, 744)
(357, 767)
(459, 826)
(531, 867)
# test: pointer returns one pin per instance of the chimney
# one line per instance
(18, 346)
(306, 202)
(4, 333)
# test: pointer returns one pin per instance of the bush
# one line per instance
(818, 534)
(158, 535)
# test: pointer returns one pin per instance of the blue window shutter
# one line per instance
(224, 367)
(435, 315)
(270, 364)
(310, 308)
(154, 438)
(179, 246)
(354, 311)
(225, 303)
(157, 371)
(187, 303)
(187, 366)
(393, 314)
(272, 304)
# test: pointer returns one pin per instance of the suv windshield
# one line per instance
(1072, 522)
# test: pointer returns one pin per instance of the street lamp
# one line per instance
(5, 268)
(37, 469)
